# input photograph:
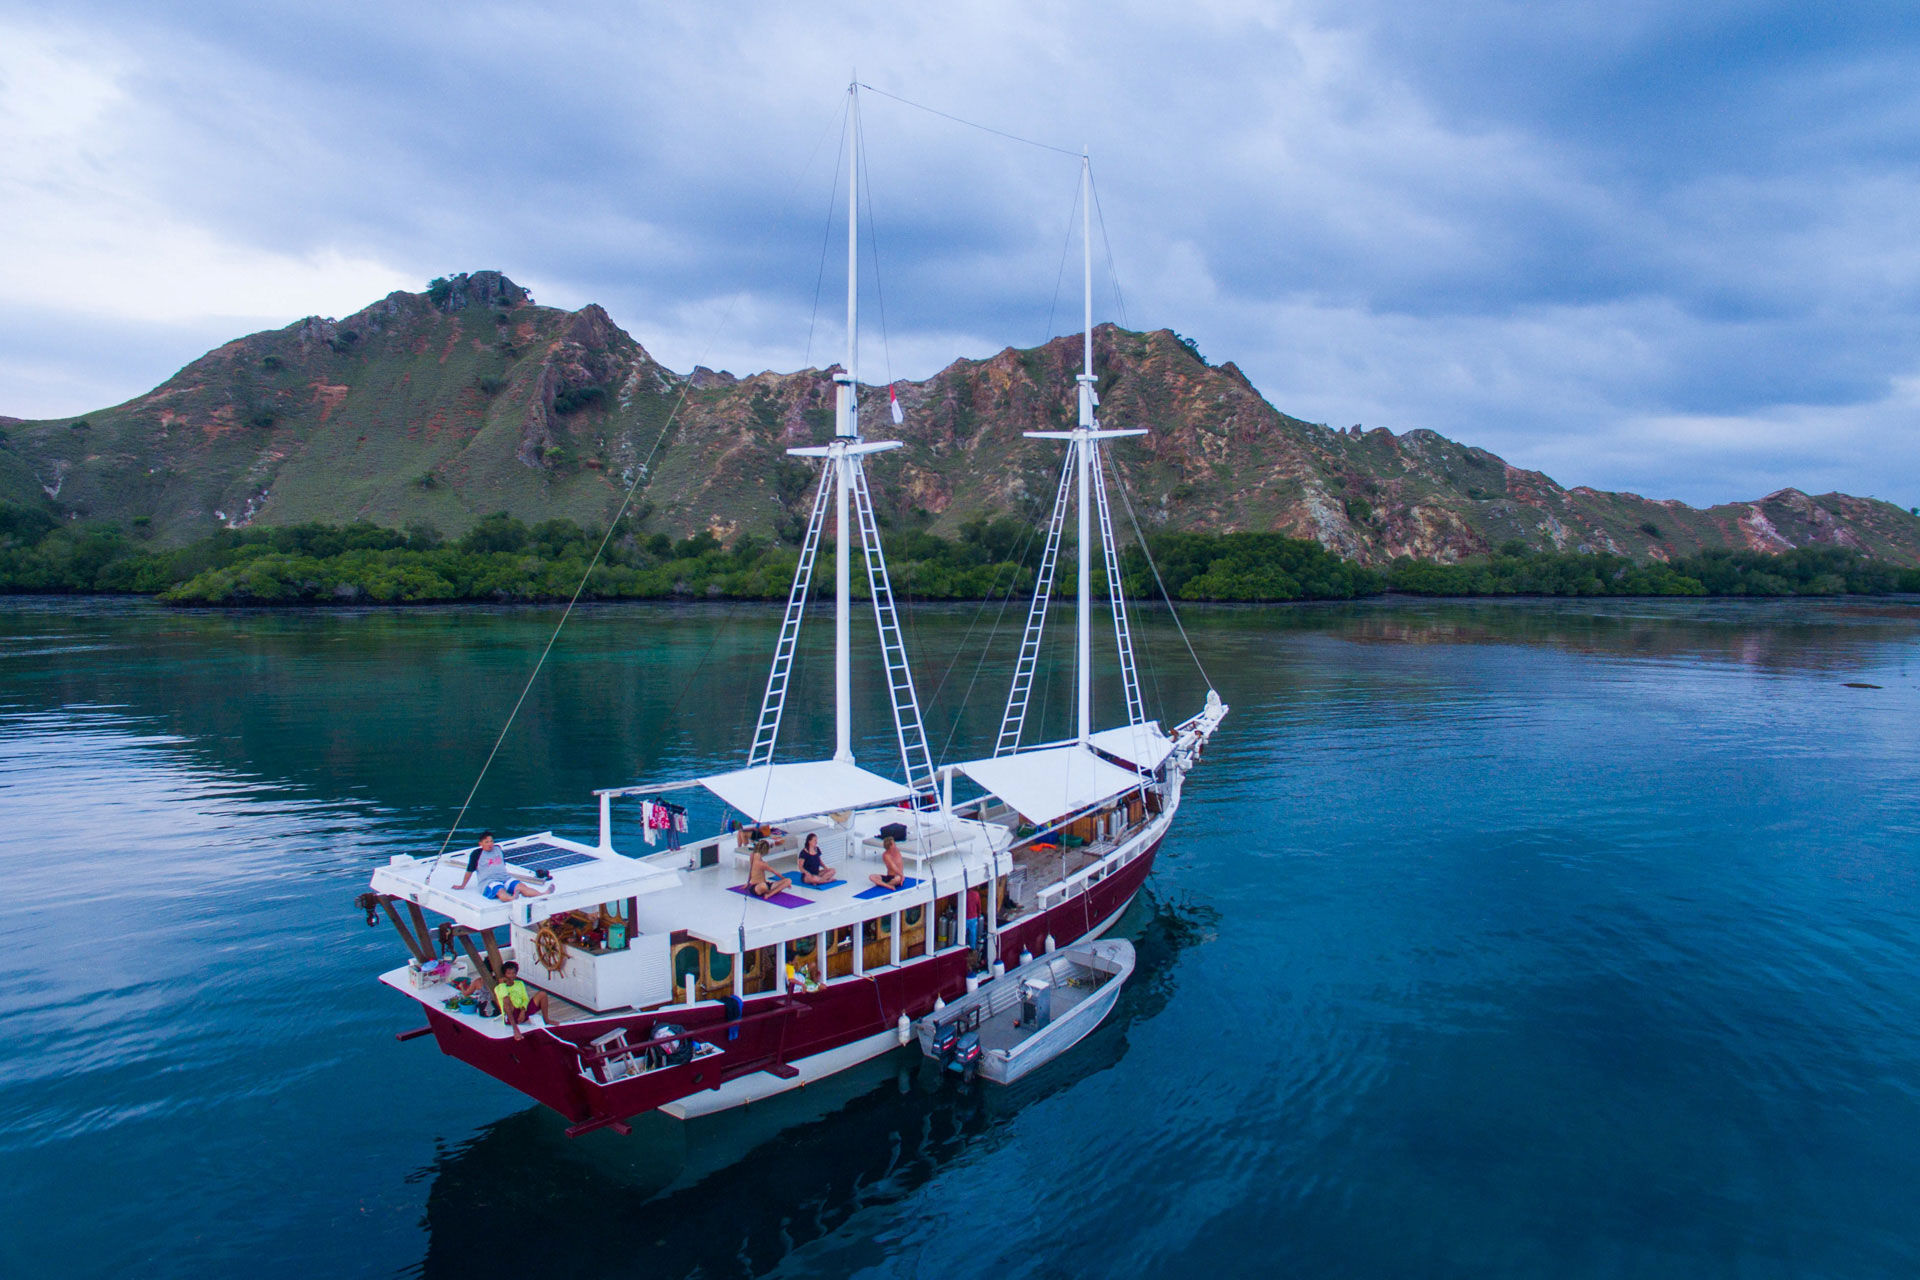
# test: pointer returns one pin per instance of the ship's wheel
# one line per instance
(549, 950)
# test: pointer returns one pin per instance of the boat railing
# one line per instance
(591, 1057)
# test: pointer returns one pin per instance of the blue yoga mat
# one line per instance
(878, 892)
(824, 884)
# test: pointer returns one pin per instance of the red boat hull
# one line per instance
(772, 1031)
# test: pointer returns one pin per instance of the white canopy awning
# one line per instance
(1138, 744)
(777, 792)
(1051, 782)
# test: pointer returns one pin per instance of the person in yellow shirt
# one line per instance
(517, 1001)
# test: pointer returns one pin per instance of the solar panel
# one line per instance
(545, 857)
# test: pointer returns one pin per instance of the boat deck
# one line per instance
(707, 902)
(437, 994)
(1003, 1031)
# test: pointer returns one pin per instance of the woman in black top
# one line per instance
(813, 868)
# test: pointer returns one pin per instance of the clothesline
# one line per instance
(657, 816)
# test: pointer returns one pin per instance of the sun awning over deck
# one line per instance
(1138, 744)
(1051, 782)
(778, 792)
(582, 876)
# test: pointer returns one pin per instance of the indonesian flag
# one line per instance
(893, 402)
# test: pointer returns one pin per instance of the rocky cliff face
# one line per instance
(467, 399)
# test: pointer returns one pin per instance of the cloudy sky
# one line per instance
(1670, 246)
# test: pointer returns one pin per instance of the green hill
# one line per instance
(439, 408)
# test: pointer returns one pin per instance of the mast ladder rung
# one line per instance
(1014, 721)
(915, 755)
(1122, 627)
(773, 702)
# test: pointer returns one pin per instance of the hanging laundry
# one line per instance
(658, 816)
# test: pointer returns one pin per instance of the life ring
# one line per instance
(549, 950)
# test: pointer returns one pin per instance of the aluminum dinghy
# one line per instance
(1030, 1015)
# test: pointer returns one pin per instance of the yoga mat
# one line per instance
(878, 892)
(824, 884)
(778, 899)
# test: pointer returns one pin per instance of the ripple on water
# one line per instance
(1565, 938)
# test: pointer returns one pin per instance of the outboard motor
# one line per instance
(965, 1059)
(956, 1047)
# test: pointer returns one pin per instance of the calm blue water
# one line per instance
(1520, 939)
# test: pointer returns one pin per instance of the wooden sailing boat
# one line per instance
(670, 985)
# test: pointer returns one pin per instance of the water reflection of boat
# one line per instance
(734, 1194)
(690, 980)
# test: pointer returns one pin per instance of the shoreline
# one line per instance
(725, 601)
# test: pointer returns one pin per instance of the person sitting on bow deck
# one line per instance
(517, 1001)
(813, 867)
(485, 861)
(896, 868)
(760, 877)
(506, 888)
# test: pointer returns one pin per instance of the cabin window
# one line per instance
(876, 943)
(803, 959)
(686, 964)
(719, 978)
(840, 952)
(758, 974)
(913, 932)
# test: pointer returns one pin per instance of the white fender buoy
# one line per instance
(1052, 946)
(939, 1003)
(973, 983)
(1026, 957)
(904, 1029)
(999, 968)
(689, 989)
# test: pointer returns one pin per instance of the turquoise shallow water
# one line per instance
(1517, 939)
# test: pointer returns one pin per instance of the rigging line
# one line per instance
(1066, 243)
(873, 249)
(642, 472)
(826, 232)
(984, 128)
(1146, 551)
(986, 646)
(1112, 271)
(960, 650)
(686, 686)
(1145, 651)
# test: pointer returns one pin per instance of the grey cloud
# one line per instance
(1535, 228)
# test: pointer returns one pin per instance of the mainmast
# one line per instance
(1083, 615)
(846, 426)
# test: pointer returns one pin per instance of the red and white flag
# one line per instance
(893, 399)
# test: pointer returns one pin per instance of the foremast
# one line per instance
(844, 477)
